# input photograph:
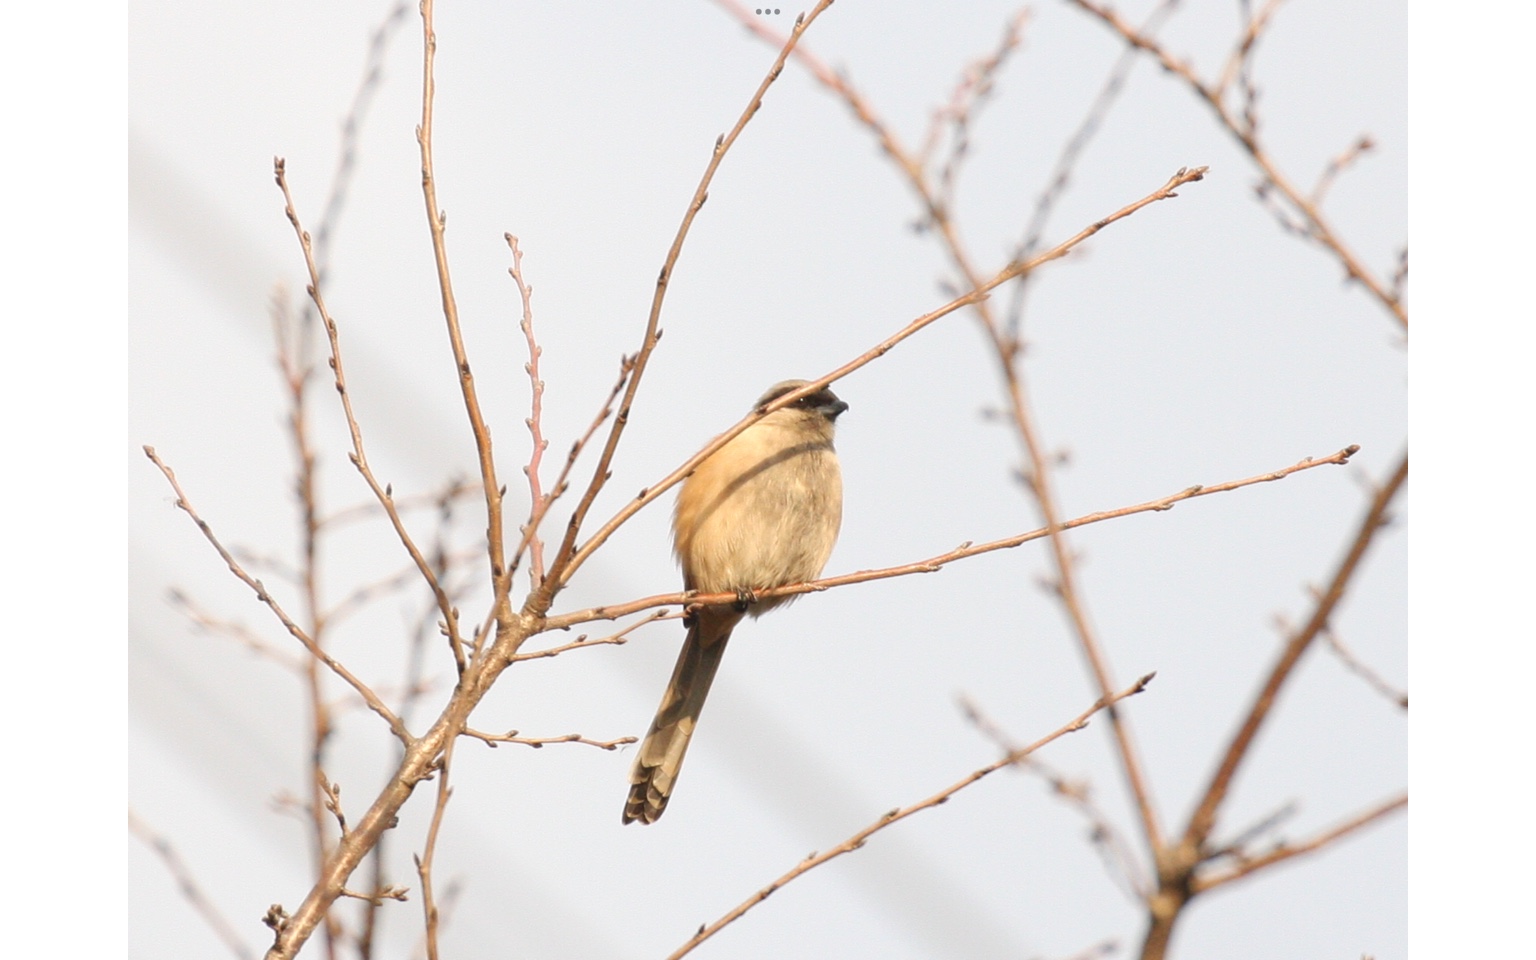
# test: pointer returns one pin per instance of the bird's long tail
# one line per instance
(661, 754)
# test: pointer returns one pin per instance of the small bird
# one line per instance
(761, 512)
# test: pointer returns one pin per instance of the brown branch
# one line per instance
(1243, 130)
(378, 896)
(369, 592)
(1066, 163)
(1338, 165)
(501, 575)
(976, 86)
(535, 420)
(568, 558)
(203, 620)
(901, 813)
(511, 736)
(363, 511)
(1179, 864)
(330, 798)
(1242, 51)
(616, 639)
(935, 563)
(1285, 851)
(1204, 818)
(359, 458)
(424, 860)
(1360, 669)
(293, 359)
(190, 890)
(1113, 848)
(979, 293)
(540, 508)
(369, 697)
(447, 902)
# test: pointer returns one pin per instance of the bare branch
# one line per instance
(1204, 818)
(568, 559)
(933, 564)
(203, 620)
(1016, 269)
(901, 813)
(511, 736)
(1360, 669)
(1113, 848)
(1338, 165)
(501, 575)
(424, 860)
(616, 639)
(190, 889)
(369, 697)
(1243, 130)
(385, 496)
(535, 419)
(1285, 851)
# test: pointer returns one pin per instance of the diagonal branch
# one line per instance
(936, 563)
(359, 458)
(1243, 131)
(189, 886)
(980, 292)
(1286, 851)
(901, 813)
(568, 559)
(363, 690)
(1204, 818)
(501, 575)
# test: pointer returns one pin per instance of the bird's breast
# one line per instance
(762, 511)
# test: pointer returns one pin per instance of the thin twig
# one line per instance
(203, 620)
(901, 813)
(975, 88)
(535, 420)
(1244, 130)
(424, 860)
(437, 221)
(616, 639)
(1360, 669)
(365, 511)
(1242, 51)
(1118, 857)
(511, 736)
(568, 558)
(1285, 851)
(377, 897)
(1204, 818)
(1167, 191)
(369, 697)
(368, 592)
(359, 458)
(1066, 163)
(190, 889)
(293, 359)
(933, 564)
(1338, 165)
(540, 507)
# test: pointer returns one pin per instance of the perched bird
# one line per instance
(762, 511)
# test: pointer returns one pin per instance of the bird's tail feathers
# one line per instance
(661, 753)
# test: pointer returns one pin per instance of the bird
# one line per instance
(762, 511)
